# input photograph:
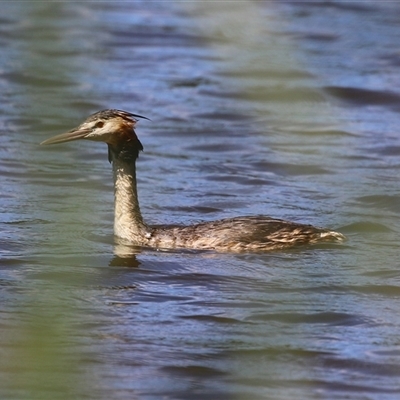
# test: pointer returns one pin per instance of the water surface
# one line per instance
(285, 109)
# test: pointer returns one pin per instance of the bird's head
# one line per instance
(114, 127)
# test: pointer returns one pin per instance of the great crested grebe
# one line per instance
(253, 233)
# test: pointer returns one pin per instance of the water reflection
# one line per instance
(126, 255)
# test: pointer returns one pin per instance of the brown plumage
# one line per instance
(254, 233)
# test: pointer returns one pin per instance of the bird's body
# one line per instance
(252, 233)
(239, 234)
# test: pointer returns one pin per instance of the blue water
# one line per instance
(286, 109)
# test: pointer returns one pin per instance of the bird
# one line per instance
(257, 233)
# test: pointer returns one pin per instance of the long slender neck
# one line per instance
(128, 221)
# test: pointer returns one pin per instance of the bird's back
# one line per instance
(255, 233)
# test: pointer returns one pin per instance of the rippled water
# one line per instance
(286, 109)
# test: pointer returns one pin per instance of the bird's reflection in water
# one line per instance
(125, 256)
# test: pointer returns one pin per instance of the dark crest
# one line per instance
(111, 113)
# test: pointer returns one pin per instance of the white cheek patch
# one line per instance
(95, 136)
(99, 134)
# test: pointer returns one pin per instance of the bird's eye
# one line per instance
(99, 124)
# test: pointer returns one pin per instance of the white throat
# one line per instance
(128, 221)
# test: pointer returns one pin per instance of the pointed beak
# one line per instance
(74, 134)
